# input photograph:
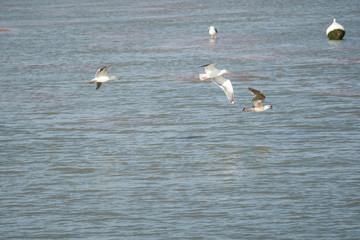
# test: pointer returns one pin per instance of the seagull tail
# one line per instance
(203, 77)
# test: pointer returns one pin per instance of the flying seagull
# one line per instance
(101, 76)
(212, 31)
(257, 102)
(216, 76)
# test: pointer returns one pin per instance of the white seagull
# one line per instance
(216, 76)
(212, 31)
(257, 102)
(101, 76)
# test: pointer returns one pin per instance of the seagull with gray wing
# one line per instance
(257, 102)
(101, 76)
(216, 76)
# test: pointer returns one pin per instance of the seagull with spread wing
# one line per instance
(101, 76)
(216, 76)
(257, 102)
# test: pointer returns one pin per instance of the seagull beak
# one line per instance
(229, 73)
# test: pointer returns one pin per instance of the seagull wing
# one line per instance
(258, 99)
(209, 67)
(225, 85)
(102, 71)
(98, 84)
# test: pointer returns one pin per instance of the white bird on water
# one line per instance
(257, 102)
(212, 31)
(216, 76)
(101, 76)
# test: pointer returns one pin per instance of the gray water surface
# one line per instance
(161, 154)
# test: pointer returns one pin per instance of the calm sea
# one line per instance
(161, 154)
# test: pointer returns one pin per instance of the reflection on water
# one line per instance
(335, 43)
(162, 155)
(212, 40)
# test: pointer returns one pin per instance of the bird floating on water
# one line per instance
(216, 76)
(257, 102)
(212, 31)
(335, 31)
(101, 76)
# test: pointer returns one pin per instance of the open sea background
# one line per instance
(161, 154)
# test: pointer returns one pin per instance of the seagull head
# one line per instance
(211, 27)
(268, 107)
(223, 72)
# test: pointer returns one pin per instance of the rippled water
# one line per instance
(162, 155)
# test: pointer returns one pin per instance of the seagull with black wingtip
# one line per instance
(101, 77)
(216, 76)
(212, 31)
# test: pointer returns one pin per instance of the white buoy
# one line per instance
(335, 31)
